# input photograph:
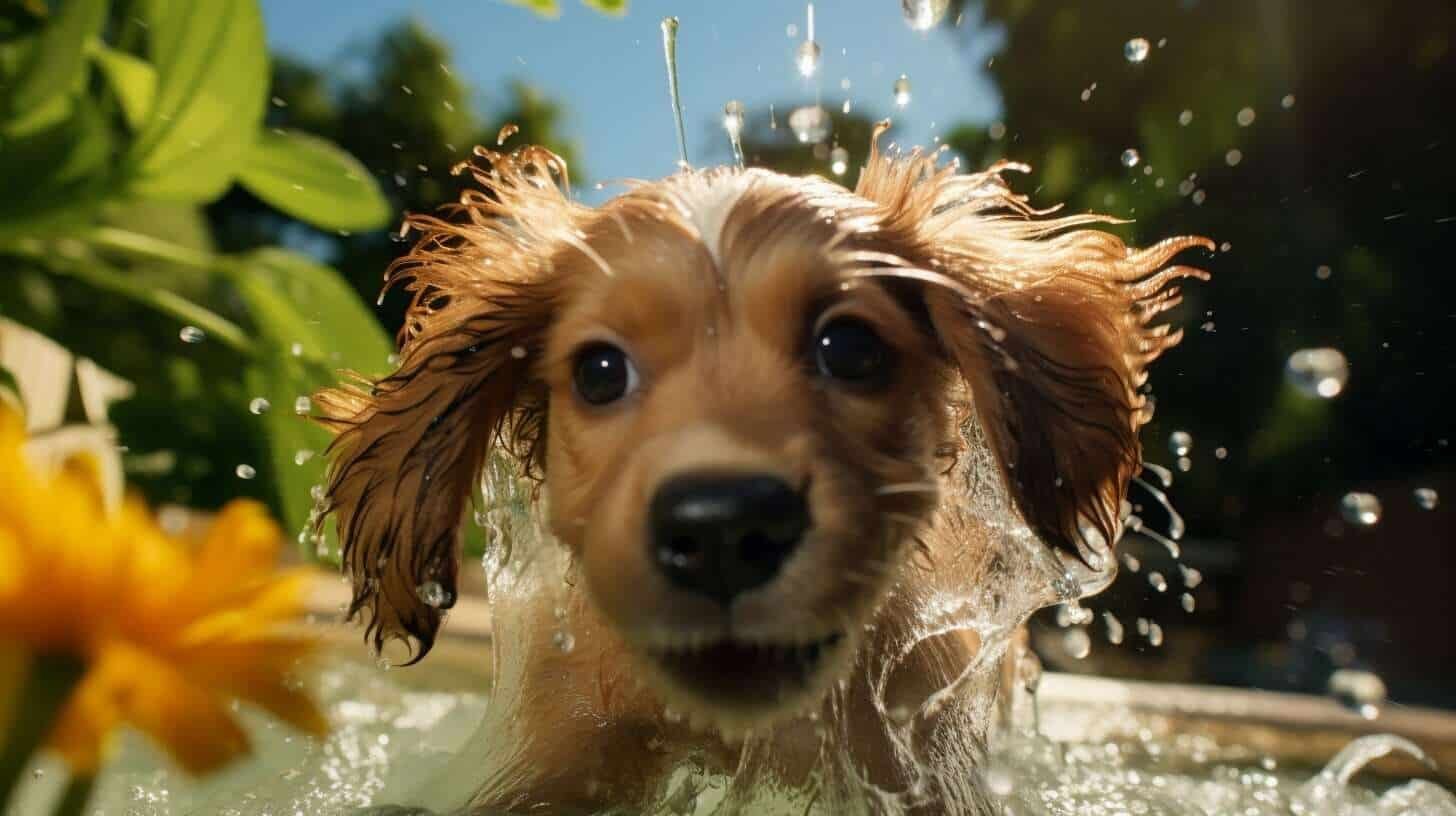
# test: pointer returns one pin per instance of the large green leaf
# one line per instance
(134, 81)
(55, 177)
(313, 181)
(311, 325)
(56, 59)
(212, 81)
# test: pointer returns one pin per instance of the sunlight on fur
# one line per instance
(907, 412)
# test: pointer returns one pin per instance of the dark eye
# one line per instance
(604, 374)
(846, 348)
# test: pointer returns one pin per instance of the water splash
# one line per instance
(1317, 372)
(923, 15)
(839, 161)
(1131, 157)
(259, 405)
(669, 54)
(1362, 509)
(810, 124)
(1180, 443)
(902, 91)
(191, 334)
(1426, 498)
(733, 123)
(1135, 50)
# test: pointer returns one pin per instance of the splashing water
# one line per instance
(733, 124)
(1130, 157)
(1426, 498)
(839, 161)
(1180, 443)
(669, 53)
(1360, 691)
(191, 334)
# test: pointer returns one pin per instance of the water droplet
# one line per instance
(564, 641)
(1180, 443)
(1317, 372)
(839, 161)
(245, 471)
(191, 334)
(1135, 50)
(1360, 508)
(902, 91)
(1130, 157)
(810, 124)
(1188, 603)
(1245, 117)
(733, 117)
(1191, 577)
(1131, 562)
(1287, 102)
(1114, 628)
(302, 405)
(807, 58)
(1361, 691)
(1220, 453)
(433, 594)
(1157, 581)
(301, 456)
(1199, 196)
(518, 352)
(1155, 634)
(1426, 498)
(507, 131)
(923, 15)
(1184, 464)
(1077, 643)
(1233, 157)
(1185, 118)
(259, 405)
(1322, 272)
(296, 349)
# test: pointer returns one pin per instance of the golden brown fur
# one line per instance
(1041, 328)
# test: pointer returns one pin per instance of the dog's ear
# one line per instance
(410, 447)
(1050, 328)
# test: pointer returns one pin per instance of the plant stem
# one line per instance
(156, 249)
(47, 686)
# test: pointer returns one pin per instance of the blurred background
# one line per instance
(202, 201)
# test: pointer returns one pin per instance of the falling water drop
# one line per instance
(191, 334)
(1180, 443)
(245, 471)
(1130, 157)
(301, 456)
(1157, 581)
(902, 91)
(259, 405)
(733, 124)
(1077, 643)
(302, 405)
(564, 641)
(506, 132)
(1287, 102)
(923, 15)
(1361, 691)
(1135, 50)
(1317, 372)
(1245, 117)
(810, 124)
(1155, 633)
(434, 595)
(1188, 603)
(807, 58)
(839, 161)
(1185, 118)
(1191, 577)
(1360, 508)
(1426, 498)
(1114, 628)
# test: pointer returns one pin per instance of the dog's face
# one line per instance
(741, 437)
(737, 388)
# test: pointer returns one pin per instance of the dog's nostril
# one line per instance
(723, 535)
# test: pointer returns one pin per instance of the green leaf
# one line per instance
(134, 81)
(314, 181)
(57, 58)
(545, 8)
(212, 81)
(616, 8)
(298, 305)
(56, 177)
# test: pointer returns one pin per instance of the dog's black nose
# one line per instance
(722, 535)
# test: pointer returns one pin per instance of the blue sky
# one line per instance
(609, 71)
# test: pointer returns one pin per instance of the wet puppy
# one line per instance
(739, 391)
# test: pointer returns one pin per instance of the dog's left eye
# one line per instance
(604, 373)
(846, 348)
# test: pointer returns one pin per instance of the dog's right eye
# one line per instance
(604, 373)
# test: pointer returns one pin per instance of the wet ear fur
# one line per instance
(1050, 328)
(410, 447)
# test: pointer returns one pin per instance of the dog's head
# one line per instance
(740, 389)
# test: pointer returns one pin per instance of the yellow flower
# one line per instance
(171, 631)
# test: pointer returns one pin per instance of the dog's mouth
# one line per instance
(739, 674)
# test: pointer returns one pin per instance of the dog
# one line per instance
(743, 394)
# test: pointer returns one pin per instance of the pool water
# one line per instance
(390, 736)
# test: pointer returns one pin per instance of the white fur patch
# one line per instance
(708, 200)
